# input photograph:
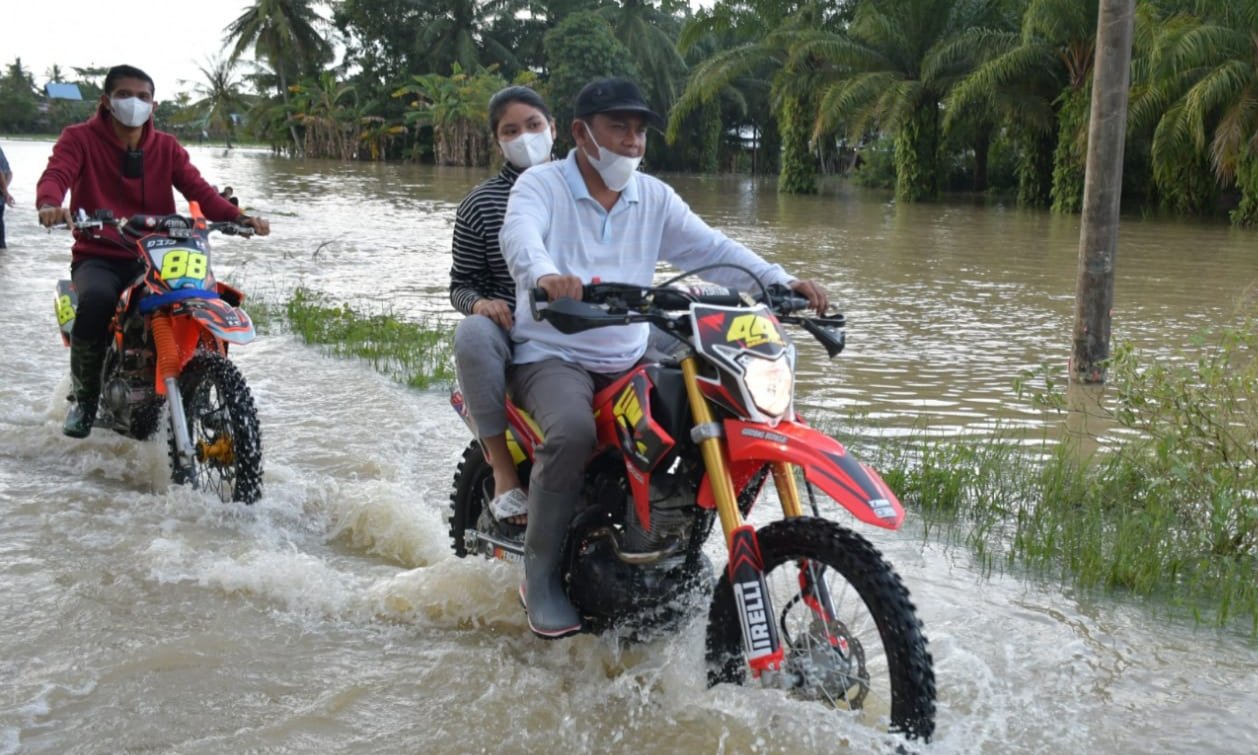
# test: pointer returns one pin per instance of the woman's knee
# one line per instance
(477, 337)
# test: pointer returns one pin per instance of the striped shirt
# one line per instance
(479, 271)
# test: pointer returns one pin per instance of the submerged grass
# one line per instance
(419, 354)
(1112, 520)
(1167, 507)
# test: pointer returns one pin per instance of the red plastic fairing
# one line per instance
(826, 464)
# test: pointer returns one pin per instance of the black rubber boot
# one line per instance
(85, 364)
(551, 614)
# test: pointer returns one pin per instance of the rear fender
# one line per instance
(518, 455)
(225, 322)
(826, 464)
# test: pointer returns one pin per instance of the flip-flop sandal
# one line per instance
(513, 503)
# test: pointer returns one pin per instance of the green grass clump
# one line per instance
(418, 354)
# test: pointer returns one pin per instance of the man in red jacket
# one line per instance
(115, 161)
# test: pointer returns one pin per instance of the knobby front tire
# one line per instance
(872, 660)
(223, 426)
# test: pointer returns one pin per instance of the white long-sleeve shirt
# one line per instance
(553, 226)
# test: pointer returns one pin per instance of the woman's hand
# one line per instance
(495, 309)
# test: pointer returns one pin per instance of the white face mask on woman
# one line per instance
(616, 170)
(528, 149)
(130, 111)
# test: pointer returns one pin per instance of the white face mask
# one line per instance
(131, 111)
(616, 170)
(529, 148)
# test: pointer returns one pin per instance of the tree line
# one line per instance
(920, 96)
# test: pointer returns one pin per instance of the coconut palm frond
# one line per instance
(854, 101)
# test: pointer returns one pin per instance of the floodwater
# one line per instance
(330, 617)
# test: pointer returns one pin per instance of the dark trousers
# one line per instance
(99, 281)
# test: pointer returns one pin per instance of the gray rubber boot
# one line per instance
(551, 614)
(85, 364)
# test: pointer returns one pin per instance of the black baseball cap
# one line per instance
(610, 95)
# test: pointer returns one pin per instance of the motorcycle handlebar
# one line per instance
(148, 223)
(664, 298)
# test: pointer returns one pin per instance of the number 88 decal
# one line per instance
(181, 263)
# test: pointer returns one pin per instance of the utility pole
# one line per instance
(1102, 193)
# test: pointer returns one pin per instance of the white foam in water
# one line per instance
(300, 582)
(385, 519)
(454, 592)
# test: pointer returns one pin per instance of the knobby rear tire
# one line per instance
(468, 498)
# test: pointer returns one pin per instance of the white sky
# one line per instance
(167, 40)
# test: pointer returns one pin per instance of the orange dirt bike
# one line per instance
(168, 346)
(803, 604)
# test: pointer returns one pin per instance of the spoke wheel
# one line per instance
(868, 656)
(223, 427)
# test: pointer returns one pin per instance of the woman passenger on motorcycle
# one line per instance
(482, 288)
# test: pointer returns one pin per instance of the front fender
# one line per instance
(826, 464)
(226, 322)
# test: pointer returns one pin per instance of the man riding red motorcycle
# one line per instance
(115, 161)
(568, 222)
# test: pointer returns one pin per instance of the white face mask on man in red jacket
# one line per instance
(131, 112)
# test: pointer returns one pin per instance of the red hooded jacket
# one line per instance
(88, 160)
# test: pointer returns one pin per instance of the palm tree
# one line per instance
(1206, 78)
(760, 32)
(651, 36)
(456, 107)
(1040, 80)
(460, 32)
(891, 70)
(285, 34)
(329, 115)
(220, 97)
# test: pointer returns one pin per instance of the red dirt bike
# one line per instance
(168, 346)
(804, 604)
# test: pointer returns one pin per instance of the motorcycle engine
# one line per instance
(615, 580)
(672, 512)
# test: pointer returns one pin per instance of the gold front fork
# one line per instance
(788, 490)
(712, 446)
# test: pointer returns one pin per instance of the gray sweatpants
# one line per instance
(482, 353)
(560, 396)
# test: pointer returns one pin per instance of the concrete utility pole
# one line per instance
(1103, 188)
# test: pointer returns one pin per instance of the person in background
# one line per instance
(593, 214)
(229, 195)
(482, 289)
(115, 161)
(6, 199)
